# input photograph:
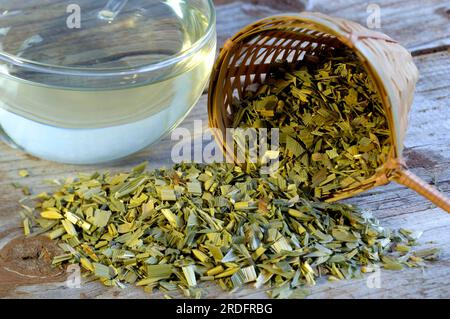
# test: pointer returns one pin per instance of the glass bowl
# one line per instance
(91, 81)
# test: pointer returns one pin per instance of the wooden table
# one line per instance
(421, 26)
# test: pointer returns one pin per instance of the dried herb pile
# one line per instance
(173, 229)
(333, 129)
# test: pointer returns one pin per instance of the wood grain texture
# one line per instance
(427, 153)
(416, 24)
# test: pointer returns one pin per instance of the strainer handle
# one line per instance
(414, 182)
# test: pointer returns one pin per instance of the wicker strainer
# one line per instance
(246, 58)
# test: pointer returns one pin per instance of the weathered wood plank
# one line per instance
(428, 155)
(399, 18)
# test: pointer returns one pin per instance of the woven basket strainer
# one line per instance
(247, 56)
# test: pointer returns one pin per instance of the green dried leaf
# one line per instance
(102, 271)
(189, 274)
(101, 218)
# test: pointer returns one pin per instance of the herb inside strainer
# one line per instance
(333, 129)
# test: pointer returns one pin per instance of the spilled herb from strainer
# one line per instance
(173, 229)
